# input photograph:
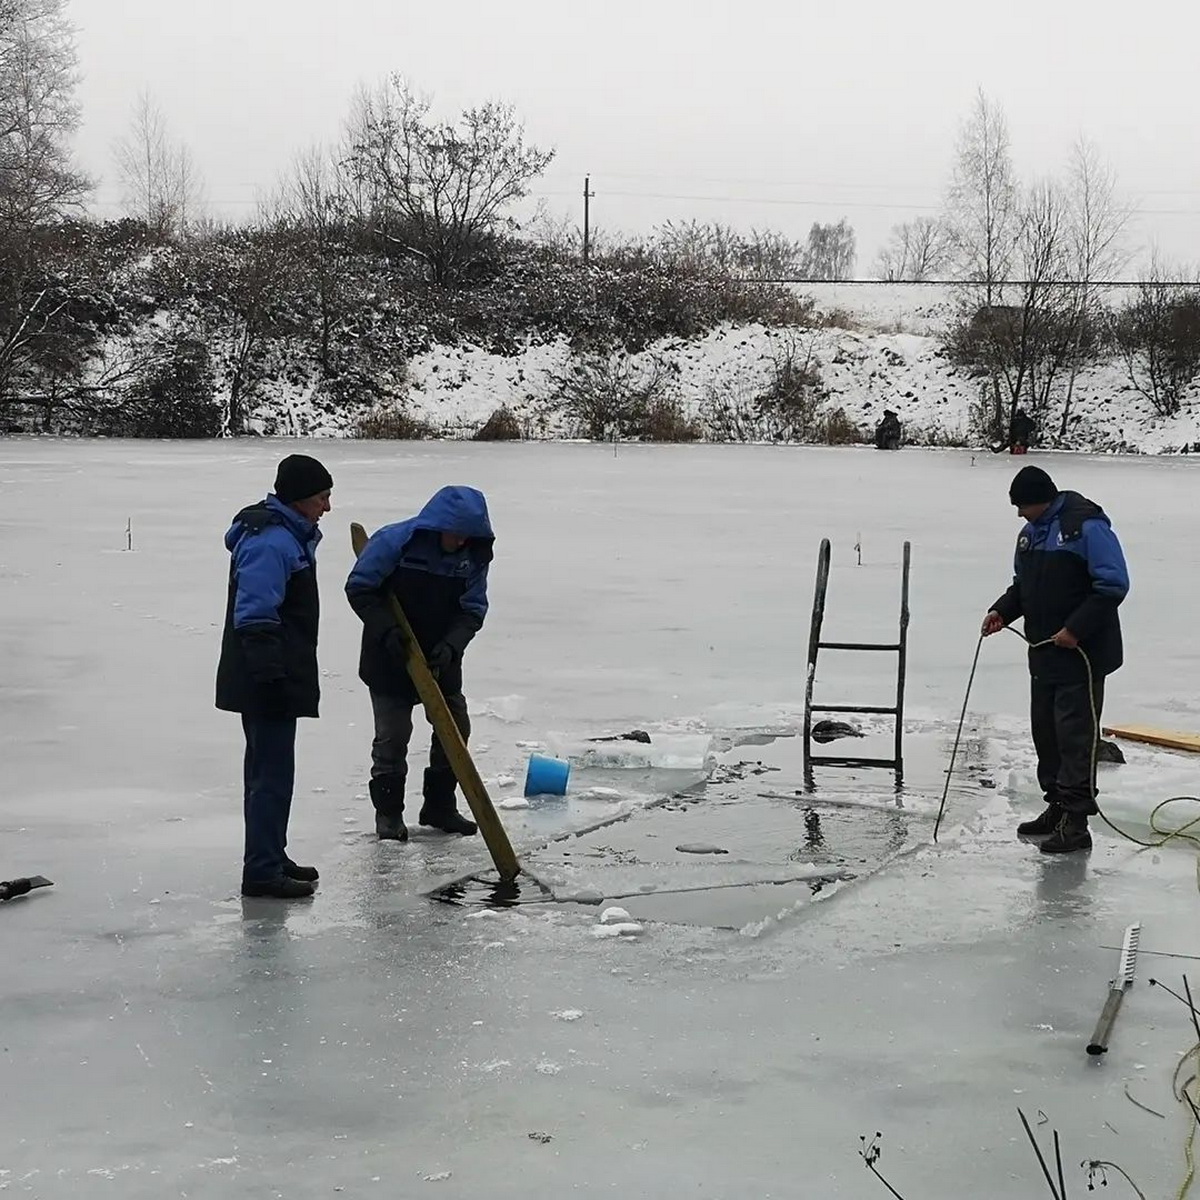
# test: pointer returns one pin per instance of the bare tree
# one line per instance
(830, 251)
(711, 246)
(1099, 222)
(38, 114)
(917, 250)
(315, 201)
(39, 185)
(159, 181)
(1047, 302)
(438, 189)
(983, 204)
(1158, 335)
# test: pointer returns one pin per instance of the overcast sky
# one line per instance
(753, 112)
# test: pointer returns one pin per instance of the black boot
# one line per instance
(1044, 825)
(304, 874)
(1071, 835)
(387, 794)
(439, 810)
(282, 888)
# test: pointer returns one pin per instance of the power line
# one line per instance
(876, 205)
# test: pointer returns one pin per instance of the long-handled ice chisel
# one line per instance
(443, 724)
(10, 889)
(1116, 990)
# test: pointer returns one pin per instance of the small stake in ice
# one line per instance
(1116, 991)
(129, 534)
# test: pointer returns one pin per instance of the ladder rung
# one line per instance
(894, 647)
(853, 708)
(849, 761)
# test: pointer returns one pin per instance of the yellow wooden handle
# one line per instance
(448, 734)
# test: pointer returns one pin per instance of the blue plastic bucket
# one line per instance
(546, 776)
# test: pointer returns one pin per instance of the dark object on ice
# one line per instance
(541, 1137)
(987, 783)
(830, 731)
(1109, 752)
(889, 434)
(634, 735)
(10, 889)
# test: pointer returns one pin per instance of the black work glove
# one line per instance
(442, 655)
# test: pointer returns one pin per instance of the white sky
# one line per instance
(755, 112)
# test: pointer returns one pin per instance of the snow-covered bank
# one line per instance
(882, 350)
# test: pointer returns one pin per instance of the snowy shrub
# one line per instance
(392, 424)
(834, 428)
(606, 395)
(1158, 336)
(501, 426)
(667, 421)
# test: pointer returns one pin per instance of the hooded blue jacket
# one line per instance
(268, 663)
(444, 594)
(1069, 573)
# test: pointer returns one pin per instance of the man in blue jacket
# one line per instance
(436, 565)
(1069, 580)
(268, 668)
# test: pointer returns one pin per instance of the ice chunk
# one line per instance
(614, 914)
(622, 929)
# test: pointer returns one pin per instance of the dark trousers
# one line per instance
(270, 775)
(393, 732)
(1065, 733)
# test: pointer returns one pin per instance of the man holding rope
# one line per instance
(1069, 579)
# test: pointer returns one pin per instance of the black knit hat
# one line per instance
(299, 477)
(1032, 485)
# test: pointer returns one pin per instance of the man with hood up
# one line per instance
(268, 668)
(436, 565)
(1069, 578)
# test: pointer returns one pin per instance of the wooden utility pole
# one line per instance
(587, 213)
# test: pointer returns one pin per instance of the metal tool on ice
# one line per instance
(1116, 990)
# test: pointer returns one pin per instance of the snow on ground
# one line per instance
(166, 1037)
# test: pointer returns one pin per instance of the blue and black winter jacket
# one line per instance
(1069, 573)
(268, 661)
(444, 595)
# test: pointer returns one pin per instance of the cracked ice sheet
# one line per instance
(913, 1003)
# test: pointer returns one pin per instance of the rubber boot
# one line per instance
(387, 794)
(1071, 835)
(439, 810)
(1044, 825)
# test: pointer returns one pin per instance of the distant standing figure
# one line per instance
(1069, 579)
(1022, 431)
(436, 565)
(268, 666)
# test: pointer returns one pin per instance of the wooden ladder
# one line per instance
(815, 645)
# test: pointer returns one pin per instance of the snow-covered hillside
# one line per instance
(881, 349)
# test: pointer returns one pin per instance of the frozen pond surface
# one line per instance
(161, 1037)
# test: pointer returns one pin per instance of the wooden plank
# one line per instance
(1189, 742)
(443, 724)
